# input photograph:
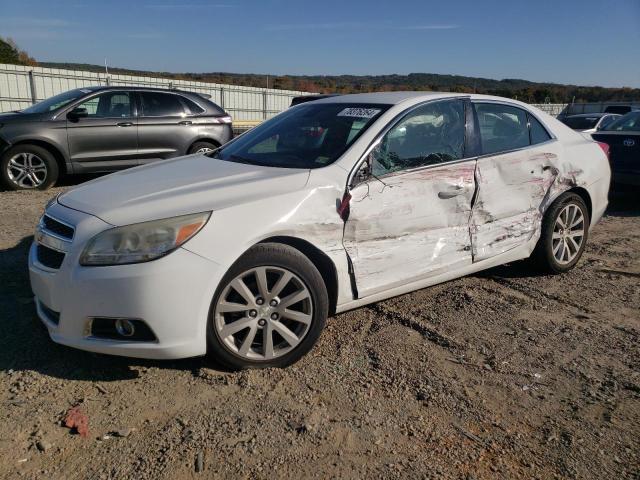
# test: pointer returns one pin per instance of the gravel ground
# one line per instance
(504, 374)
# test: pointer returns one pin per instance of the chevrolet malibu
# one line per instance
(243, 252)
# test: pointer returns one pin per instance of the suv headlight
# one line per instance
(142, 242)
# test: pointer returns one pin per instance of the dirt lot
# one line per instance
(499, 375)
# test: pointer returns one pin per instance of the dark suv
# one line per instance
(102, 129)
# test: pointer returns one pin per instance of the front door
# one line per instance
(107, 138)
(410, 219)
(513, 178)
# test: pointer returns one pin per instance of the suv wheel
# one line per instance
(202, 147)
(565, 229)
(28, 167)
(269, 309)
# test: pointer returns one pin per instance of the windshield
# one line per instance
(628, 123)
(581, 123)
(57, 101)
(311, 135)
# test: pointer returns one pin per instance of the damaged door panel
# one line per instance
(511, 189)
(410, 225)
(516, 179)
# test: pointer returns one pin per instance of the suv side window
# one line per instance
(502, 127)
(431, 134)
(538, 133)
(156, 104)
(109, 105)
(192, 107)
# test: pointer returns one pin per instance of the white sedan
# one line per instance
(333, 204)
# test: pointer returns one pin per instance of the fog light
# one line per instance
(124, 327)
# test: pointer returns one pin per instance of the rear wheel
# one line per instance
(28, 167)
(269, 309)
(565, 229)
(202, 147)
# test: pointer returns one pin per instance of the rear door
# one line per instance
(513, 176)
(410, 219)
(164, 129)
(107, 138)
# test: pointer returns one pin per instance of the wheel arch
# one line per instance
(52, 149)
(319, 259)
(584, 194)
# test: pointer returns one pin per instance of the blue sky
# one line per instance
(585, 42)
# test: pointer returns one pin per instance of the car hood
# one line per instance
(179, 186)
(13, 117)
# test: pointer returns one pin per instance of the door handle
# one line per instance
(125, 124)
(185, 122)
(445, 194)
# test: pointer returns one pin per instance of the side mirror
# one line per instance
(363, 173)
(77, 113)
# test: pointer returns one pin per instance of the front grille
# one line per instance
(52, 315)
(49, 257)
(59, 228)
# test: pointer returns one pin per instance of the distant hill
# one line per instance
(524, 90)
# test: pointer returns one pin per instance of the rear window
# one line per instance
(581, 123)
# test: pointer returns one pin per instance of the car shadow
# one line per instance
(25, 344)
(624, 203)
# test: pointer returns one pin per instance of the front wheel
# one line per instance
(565, 229)
(28, 167)
(269, 309)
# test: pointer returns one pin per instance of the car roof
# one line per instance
(388, 98)
(99, 88)
(588, 115)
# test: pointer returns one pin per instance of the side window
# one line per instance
(430, 134)
(109, 105)
(192, 107)
(155, 104)
(538, 133)
(502, 127)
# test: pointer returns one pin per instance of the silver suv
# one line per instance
(103, 129)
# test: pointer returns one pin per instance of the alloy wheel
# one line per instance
(27, 170)
(568, 234)
(204, 150)
(263, 313)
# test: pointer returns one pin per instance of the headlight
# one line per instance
(142, 242)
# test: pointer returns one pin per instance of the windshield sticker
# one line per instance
(359, 112)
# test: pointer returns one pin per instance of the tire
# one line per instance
(548, 250)
(28, 167)
(202, 147)
(248, 346)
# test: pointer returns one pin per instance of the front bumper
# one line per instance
(171, 294)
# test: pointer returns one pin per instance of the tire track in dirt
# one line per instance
(428, 333)
(530, 290)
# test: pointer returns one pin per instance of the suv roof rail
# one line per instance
(203, 95)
